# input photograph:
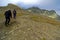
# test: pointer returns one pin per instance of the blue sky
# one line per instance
(43, 4)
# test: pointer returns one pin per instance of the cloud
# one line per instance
(29, 1)
(3, 2)
(41, 2)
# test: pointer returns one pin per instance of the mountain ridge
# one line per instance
(48, 13)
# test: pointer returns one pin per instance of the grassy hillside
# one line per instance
(45, 19)
(28, 26)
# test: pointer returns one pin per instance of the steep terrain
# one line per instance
(30, 27)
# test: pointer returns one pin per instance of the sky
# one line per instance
(43, 4)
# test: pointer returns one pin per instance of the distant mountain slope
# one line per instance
(51, 13)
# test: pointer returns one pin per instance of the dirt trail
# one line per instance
(26, 29)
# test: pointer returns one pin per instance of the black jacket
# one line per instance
(8, 14)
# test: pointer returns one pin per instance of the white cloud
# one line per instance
(37, 2)
(47, 2)
(29, 1)
(25, 1)
(13, 1)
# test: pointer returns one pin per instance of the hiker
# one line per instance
(14, 14)
(8, 15)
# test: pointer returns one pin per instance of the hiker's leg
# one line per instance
(8, 20)
(14, 16)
